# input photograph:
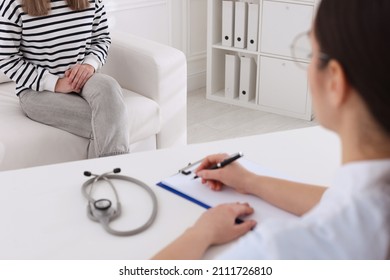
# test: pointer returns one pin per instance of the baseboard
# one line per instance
(196, 81)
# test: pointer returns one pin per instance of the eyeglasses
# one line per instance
(302, 52)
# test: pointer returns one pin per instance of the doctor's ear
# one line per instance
(338, 87)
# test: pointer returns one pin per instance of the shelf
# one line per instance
(276, 84)
(221, 47)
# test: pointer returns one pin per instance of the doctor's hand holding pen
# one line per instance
(231, 174)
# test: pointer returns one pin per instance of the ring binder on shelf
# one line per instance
(247, 79)
(253, 24)
(227, 23)
(232, 76)
(240, 25)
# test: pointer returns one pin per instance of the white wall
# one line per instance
(146, 18)
(178, 23)
(195, 35)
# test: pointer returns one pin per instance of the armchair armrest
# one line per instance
(158, 72)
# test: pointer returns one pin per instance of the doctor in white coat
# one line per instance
(349, 81)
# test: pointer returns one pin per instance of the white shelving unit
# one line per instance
(280, 86)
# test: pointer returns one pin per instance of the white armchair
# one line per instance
(153, 77)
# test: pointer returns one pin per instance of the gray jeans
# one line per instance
(98, 113)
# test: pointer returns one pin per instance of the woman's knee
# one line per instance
(104, 94)
(101, 86)
(106, 81)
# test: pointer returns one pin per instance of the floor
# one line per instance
(209, 120)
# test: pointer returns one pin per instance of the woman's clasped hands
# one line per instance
(75, 78)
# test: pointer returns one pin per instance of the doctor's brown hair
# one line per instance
(356, 33)
(42, 7)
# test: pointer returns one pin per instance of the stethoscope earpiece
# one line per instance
(89, 173)
(102, 211)
(117, 170)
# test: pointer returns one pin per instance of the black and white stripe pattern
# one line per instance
(36, 51)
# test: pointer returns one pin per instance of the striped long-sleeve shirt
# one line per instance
(36, 51)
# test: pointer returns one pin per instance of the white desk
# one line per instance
(43, 213)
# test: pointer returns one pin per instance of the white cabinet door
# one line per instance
(283, 86)
(281, 22)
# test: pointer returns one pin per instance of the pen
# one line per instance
(224, 162)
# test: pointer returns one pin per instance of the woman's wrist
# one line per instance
(201, 239)
(251, 183)
(91, 67)
(189, 246)
(201, 235)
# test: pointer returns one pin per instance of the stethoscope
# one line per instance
(102, 211)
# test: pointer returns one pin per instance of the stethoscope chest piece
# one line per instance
(102, 204)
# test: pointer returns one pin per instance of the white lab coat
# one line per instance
(352, 221)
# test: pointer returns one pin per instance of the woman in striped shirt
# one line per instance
(52, 49)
